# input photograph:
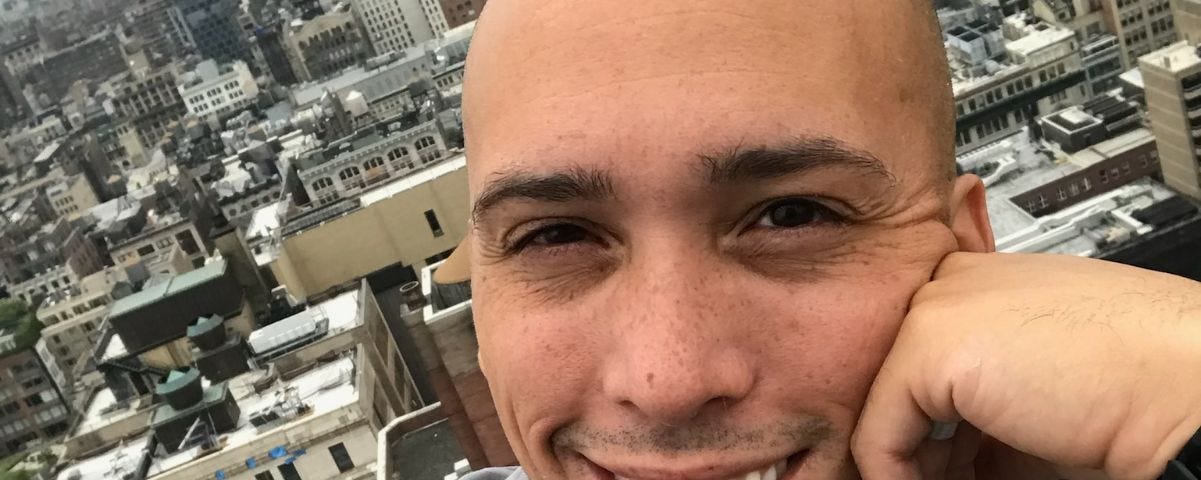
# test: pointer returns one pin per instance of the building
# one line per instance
(1004, 80)
(72, 197)
(459, 12)
(325, 45)
(1188, 20)
(268, 49)
(374, 155)
(1142, 26)
(32, 409)
(1172, 85)
(1117, 211)
(147, 104)
(212, 90)
(395, 229)
(73, 321)
(39, 258)
(394, 25)
(20, 50)
(95, 58)
(1102, 58)
(214, 29)
(159, 28)
(308, 397)
(13, 106)
(157, 227)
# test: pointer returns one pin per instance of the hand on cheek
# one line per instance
(1084, 364)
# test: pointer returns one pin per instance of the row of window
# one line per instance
(1085, 185)
(288, 471)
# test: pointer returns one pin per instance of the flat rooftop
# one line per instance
(125, 459)
(1083, 229)
(323, 389)
(1176, 57)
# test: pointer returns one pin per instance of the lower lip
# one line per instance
(792, 470)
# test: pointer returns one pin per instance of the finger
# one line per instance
(964, 448)
(891, 428)
(933, 458)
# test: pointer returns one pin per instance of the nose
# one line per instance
(682, 351)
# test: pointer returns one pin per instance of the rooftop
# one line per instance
(1176, 57)
(114, 464)
(171, 287)
(1021, 164)
(338, 314)
(323, 389)
(363, 138)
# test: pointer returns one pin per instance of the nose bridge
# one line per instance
(678, 347)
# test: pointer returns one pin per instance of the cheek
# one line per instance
(828, 341)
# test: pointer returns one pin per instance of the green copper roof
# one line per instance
(168, 288)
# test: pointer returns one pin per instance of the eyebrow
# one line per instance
(574, 184)
(794, 156)
(740, 164)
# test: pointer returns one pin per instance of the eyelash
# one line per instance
(828, 215)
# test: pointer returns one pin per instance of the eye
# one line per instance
(795, 213)
(554, 235)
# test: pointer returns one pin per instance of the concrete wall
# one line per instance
(454, 334)
(393, 230)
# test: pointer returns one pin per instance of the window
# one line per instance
(322, 184)
(427, 149)
(341, 458)
(432, 219)
(33, 401)
(350, 177)
(146, 250)
(288, 471)
(264, 476)
(374, 162)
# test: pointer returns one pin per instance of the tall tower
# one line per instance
(214, 29)
(1172, 81)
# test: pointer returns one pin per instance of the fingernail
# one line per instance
(942, 430)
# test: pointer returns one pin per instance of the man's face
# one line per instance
(698, 226)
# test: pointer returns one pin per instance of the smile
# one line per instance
(783, 469)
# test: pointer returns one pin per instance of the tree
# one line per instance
(14, 312)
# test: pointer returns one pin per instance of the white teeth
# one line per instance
(770, 474)
(773, 472)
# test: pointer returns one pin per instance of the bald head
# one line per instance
(873, 66)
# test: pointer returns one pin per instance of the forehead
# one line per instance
(621, 83)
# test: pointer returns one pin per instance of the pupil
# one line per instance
(792, 215)
(562, 234)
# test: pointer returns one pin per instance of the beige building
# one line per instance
(72, 197)
(73, 322)
(1142, 26)
(1172, 79)
(409, 222)
(157, 247)
(1188, 20)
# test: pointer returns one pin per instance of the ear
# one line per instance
(969, 216)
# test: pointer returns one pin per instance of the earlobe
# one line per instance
(969, 216)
